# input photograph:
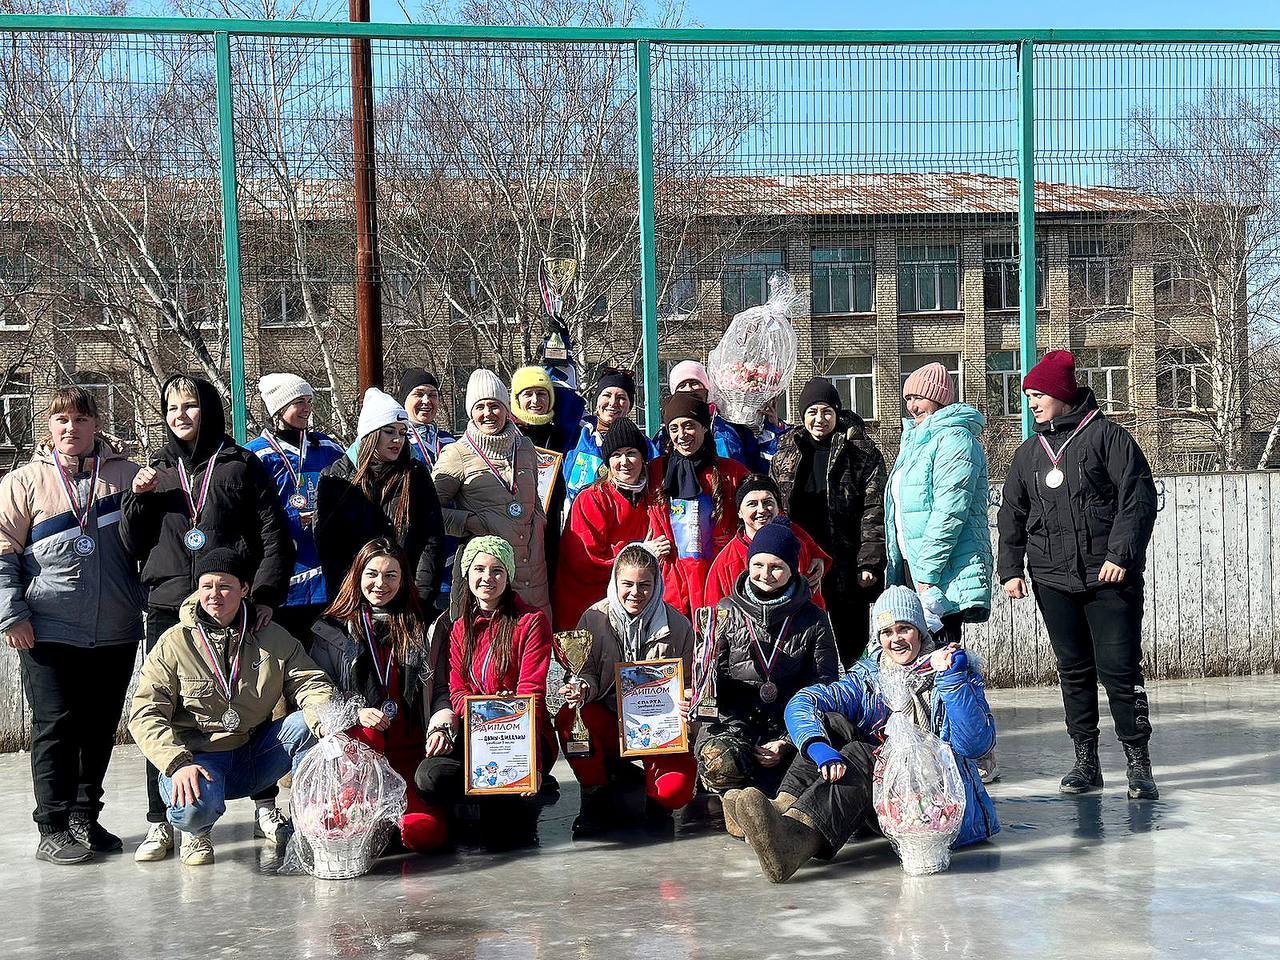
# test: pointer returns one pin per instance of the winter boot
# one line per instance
(93, 835)
(1086, 775)
(1142, 784)
(729, 803)
(784, 802)
(63, 848)
(782, 842)
(596, 814)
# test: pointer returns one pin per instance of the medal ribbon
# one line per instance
(422, 447)
(1056, 458)
(294, 475)
(228, 684)
(509, 487)
(383, 671)
(767, 665)
(73, 498)
(195, 506)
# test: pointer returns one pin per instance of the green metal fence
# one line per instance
(846, 152)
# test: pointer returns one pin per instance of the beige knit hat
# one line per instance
(931, 382)
(485, 385)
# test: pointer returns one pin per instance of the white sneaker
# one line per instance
(270, 824)
(157, 845)
(197, 849)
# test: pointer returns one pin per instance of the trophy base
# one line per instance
(577, 748)
(707, 713)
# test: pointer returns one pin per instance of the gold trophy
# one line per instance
(575, 647)
(706, 645)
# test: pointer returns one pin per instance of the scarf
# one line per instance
(499, 446)
(920, 678)
(633, 490)
(634, 632)
(534, 419)
(680, 481)
(765, 600)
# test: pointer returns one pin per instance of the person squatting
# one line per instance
(786, 569)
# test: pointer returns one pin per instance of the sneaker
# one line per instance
(197, 849)
(93, 835)
(270, 824)
(157, 845)
(62, 848)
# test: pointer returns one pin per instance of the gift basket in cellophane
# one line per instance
(756, 357)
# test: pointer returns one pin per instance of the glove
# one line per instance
(959, 661)
(822, 753)
(935, 605)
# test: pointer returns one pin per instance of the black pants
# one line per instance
(504, 819)
(160, 619)
(850, 612)
(835, 809)
(75, 695)
(1097, 636)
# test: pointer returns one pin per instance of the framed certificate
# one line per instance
(649, 694)
(549, 463)
(500, 745)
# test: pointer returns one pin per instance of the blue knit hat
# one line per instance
(898, 604)
(775, 537)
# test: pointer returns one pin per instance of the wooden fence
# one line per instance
(1211, 596)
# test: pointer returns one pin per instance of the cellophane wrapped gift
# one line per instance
(756, 357)
(347, 801)
(917, 790)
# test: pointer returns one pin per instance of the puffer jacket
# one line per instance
(346, 519)
(80, 601)
(468, 488)
(807, 656)
(959, 716)
(243, 512)
(855, 498)
(672, 640)
(178, 707)
(1104, 510)
(937, 495)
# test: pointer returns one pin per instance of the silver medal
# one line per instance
(83, 546)
(515, 510)
(390, 709)
(1053, 479)
(194, 539)
(768, 691)
(231, 719)
(298, 501)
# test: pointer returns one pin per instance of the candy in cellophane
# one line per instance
(756, 357)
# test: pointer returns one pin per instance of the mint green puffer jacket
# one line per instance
(940, 478)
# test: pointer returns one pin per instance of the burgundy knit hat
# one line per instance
(1054, 376)
(931, 382)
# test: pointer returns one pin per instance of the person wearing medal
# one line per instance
(419, 392)
(772, 641)
(1076, 515)
(372, 642)
(615, 395)
(499, 645)
(203, 709)
(379, 490)
(71, 606)
(488, 484)
(632, 623)
(203, 492)
(295, 455)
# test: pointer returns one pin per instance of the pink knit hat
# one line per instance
(931, 382)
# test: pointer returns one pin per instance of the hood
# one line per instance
(1070, 420)
(741, 599)
(651, 620)
(953, 415)
(213, 424)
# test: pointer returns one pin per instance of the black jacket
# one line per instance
(243, 512)
(346, 520)
(1104, 510)
(854, 506)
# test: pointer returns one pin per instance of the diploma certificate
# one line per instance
(500, 745)
(649, 694)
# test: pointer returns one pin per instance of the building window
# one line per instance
(1099, 271)
(854, 380)
(1106, 373)
(1000, 275)
(116, 403)
(928, 278)
(746, 280)
(843, 281)
(282, 305)
(913, 362)
(16, 416)
(1004, 384)
(1176, 284)
(1183, 379)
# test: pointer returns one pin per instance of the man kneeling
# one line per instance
(826, 794)
(202, 713)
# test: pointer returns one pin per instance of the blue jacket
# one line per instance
(582, 463)
(307, 585)
(941, 481)
(960, 717)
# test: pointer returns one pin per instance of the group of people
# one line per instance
(415, 568)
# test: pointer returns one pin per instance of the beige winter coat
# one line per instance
(468, 488)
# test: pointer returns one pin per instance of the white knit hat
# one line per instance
(485, 385)
(379, 410)
(281, 389)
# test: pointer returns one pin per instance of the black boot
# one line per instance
(596, 815)
(1086, 775)
(93, 835)
(1142, 784)
(62, 848)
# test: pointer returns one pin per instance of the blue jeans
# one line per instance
(272, 752)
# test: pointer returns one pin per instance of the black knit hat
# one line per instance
(775, 537)
(224, 560)
(819, 390)
(411, 380)
(624, 433)
(613, 377)
(688, 406)
(755, 483)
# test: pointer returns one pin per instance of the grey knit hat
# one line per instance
(899, 604)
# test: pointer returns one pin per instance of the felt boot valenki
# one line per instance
(1142, 783)
(782, 842)
(1086, 775)
(729, 803)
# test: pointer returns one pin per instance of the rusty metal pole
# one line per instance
(368, 267)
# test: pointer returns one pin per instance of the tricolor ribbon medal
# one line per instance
(227, 682)
(768, 689)
(515, 509)
(430, 456)
(382, 670)
(298, 500)
(1053, 479)
(84, 544)
(195, 537)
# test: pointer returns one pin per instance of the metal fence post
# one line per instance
(648, 244)
(1026, 216)
(231, 235)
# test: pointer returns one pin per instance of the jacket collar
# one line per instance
(1071, 419)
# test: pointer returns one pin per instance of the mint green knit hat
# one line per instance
(495, 547)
